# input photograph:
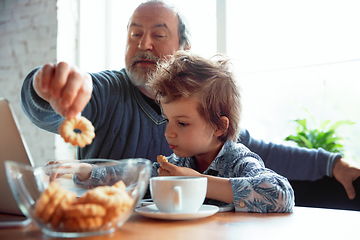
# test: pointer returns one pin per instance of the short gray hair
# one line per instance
(183, 30)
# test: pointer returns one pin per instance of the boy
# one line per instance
(201, 103)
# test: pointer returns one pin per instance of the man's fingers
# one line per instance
(346, 173)
(71, 90)
(42, 80)
(60, 79)
(351, 193)
(45, 76)
(78, 104)
(350, 190)
(67, 89)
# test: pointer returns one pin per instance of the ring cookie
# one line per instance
(53, 204)
(104, 195)
(45, 198)
(120, 185)
(115, 212)
(85, 137)
(83, 224)
(84, 210)
(58, 216)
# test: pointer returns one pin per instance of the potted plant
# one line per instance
(323, 136)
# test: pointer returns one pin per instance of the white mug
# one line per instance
(178, 194)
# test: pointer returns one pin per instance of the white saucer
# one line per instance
(152, 211)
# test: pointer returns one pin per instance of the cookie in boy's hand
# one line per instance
(161, 158)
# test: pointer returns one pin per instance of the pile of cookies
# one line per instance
(98, 209)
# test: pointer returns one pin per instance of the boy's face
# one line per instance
(187, 133)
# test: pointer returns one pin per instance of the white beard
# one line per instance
(139, 77)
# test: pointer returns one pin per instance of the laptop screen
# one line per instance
(13, 148)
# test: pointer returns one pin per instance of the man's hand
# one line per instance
(169, 169)
(65, 87)
(346, 173)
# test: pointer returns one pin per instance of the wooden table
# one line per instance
(303, 223)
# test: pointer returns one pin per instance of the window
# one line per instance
(103, 30)
(292, 55)
(288, 55)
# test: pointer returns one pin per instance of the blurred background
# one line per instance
(293, 59)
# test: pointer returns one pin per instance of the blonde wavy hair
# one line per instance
(210, 81)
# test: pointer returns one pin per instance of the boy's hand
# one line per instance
(217, 188)
(169, 169)
(65, 87)
(83, 172)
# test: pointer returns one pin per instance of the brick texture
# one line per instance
(28, 38)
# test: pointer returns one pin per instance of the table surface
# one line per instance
(303, 223)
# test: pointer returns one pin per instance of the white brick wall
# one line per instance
(28, 38)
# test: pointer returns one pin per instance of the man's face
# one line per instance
(152, 35)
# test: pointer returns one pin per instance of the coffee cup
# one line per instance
(178, 194)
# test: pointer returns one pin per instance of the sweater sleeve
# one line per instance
(260, 189)
(295, 163)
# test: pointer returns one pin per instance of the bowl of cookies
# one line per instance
(79, 198)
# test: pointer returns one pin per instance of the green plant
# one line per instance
(322, 137)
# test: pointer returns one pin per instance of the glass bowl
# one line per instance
(62, 205)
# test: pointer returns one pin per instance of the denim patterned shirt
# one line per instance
(255, 188)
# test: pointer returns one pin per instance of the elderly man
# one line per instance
(128, 121)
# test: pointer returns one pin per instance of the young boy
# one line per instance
(201, 102)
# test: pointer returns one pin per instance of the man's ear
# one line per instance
(221, 131)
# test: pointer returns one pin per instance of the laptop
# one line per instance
(12, 147)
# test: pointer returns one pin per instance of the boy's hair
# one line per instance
(210, 82)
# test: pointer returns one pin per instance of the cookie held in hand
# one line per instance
(161, 158)
(86, 135)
